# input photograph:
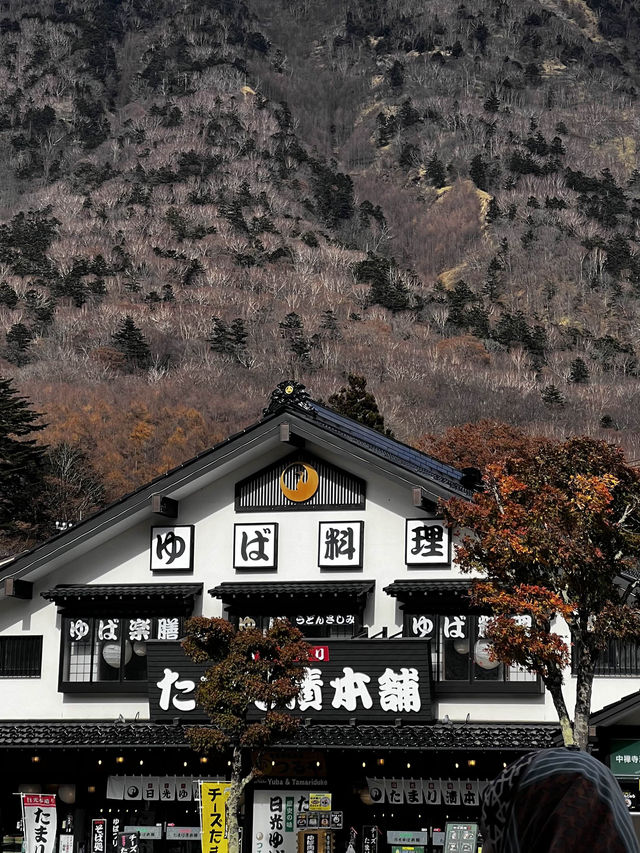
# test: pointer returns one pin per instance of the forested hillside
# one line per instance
(199, 198)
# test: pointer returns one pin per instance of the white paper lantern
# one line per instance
(461, 646)
(139, 648)
(67, 793)
(481, 655)
(111, 653)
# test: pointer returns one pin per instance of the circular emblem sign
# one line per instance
(306, 486)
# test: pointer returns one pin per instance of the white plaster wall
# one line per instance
(125, 559)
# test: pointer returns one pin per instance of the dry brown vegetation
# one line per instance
(270, 163)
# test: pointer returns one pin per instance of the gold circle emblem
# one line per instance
(307, 485)
(288, 389)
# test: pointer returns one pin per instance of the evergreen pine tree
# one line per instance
(492, 104)
(292, 331)
(18, 339)
(219, 339)
(356, 402)
(436, 172)
(552, 397)
(478, 172)
(129, 340)
(579, 372)
(22, 468)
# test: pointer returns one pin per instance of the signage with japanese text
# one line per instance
(320, 802)
(183, 833)
(427, 542)
(461, 837)
(370, 836)
(128, 842)
(447, 792)
(377, 680)
(340, 544)
(40, 822)
(624, 758)
(98, 835)
(255, 546)
(278, 818)
(172, 548)
(213, 816)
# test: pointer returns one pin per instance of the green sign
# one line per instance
(288, 814)
(624, 758)
(403, 849)
(461, 837)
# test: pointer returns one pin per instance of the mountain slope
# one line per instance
(441, 198)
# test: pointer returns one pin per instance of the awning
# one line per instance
(176, 598)
(430, 593)
(334, 593)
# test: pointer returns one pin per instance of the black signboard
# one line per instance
(370, 839)
(128, 842)
(373, 680)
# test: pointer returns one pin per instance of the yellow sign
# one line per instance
(306, 485)
(213, 816)
(320, 802)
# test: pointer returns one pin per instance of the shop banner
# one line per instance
(278, 816)
(370, 839)
(213, 816)
(98, 835)
(182, 788)
(434, 792)
(40, 822)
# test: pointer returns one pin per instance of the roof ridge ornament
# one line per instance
(288, 393)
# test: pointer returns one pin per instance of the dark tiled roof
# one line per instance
(64, 593)
(89, 734)
(292, 589)
(423, 738)
(427, 588)
(615, 710)
(426, 738)
(389, 448)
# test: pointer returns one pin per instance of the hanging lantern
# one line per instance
(461, 646)
(139, 648)
(111, 652)
(67, 793)
(481, 655)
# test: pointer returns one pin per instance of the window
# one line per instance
(618, 659)
(20, 657)
(312, 625)
(459, 651)
(110, 652)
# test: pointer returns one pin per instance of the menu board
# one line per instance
(461, 838)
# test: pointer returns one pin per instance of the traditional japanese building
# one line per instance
(309, 515)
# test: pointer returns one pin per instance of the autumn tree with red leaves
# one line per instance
(554, 532)
(247, 667)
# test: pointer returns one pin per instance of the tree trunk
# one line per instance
(553, 684)
(236, 789)
(584, 685)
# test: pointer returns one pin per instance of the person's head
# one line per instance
(556, 801)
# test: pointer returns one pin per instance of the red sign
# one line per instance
(319, 653)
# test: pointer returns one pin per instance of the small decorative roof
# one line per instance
(282, 590)
(423, 738)
(64, 593)
(426, 587)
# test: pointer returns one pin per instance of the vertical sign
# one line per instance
(461, 837)
(40, 822)
(98, 835)
(128, 842)
(213, 816)
(369, 839)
